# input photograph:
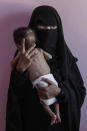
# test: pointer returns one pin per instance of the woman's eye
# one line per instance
(46, 27)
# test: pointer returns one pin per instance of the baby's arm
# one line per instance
(46, 54)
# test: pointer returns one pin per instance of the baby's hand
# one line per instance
(46, 54)
(24, 58)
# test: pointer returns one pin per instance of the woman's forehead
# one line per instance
(45, 18)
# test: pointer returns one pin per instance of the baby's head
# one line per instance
(28, 34)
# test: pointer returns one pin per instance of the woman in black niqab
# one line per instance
(51, 40)
(63, 64)
(24, 111)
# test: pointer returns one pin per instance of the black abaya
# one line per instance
(24, 111)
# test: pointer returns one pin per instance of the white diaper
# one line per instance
(44, 84)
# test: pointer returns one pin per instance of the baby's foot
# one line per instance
(58, 119)
(53, 119)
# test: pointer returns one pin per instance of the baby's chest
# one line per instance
(39, 56)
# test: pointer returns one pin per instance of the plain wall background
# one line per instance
(17, 13)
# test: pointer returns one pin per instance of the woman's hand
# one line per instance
(48, 92)
(23, 57)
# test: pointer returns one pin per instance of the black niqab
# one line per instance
(52, 40)
(46, 39)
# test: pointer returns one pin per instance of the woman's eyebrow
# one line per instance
(46, 27)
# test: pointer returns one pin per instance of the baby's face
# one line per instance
(29, 42)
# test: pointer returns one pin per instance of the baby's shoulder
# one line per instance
(39, 50)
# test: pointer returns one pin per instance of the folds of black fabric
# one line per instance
(25, 113)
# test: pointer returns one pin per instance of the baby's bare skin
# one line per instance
(39, 65)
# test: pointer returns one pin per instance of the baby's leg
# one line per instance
(57, 112)
(47, 109)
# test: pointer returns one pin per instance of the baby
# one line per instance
(39, 69)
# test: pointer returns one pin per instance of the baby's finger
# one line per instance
(29, 50)
(23, 46)
(18, 47)
(15, 59)
(31, 55)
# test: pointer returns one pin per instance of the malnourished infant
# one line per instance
(39, 69)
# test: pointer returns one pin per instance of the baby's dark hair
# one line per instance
(22, 32)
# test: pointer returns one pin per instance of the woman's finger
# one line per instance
(41, 88)
(48, 81)
(40, 91)
(41, 95)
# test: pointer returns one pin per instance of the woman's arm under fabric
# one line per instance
(77, 83)
(18, 81)
(72, 100)
(75, 78)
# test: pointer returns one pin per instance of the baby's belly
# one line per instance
(37, 70)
